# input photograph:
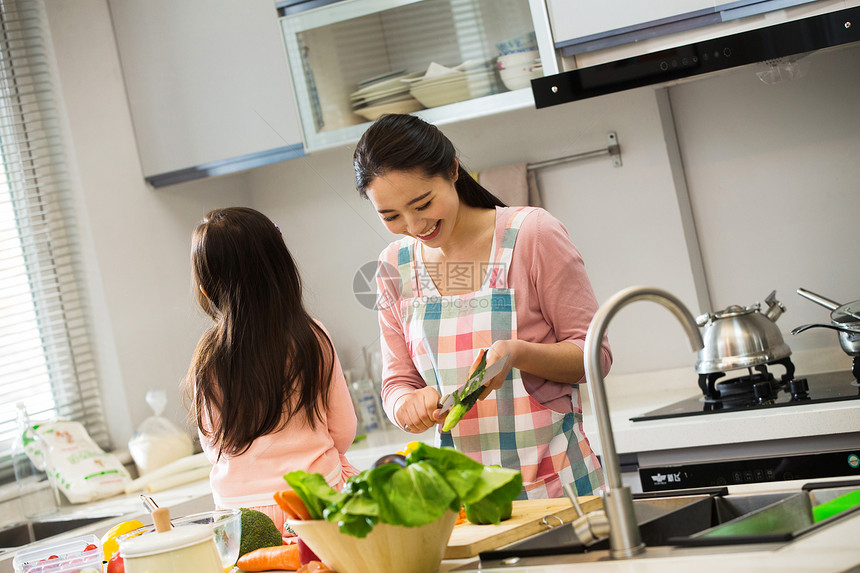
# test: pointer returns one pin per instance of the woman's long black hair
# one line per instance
(265, 360)
(397, 142)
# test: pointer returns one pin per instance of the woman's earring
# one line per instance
(203, 290)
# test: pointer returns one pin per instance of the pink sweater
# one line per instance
(250, 479)
(554, 302)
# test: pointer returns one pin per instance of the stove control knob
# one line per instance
(763, 391)
(799, 388)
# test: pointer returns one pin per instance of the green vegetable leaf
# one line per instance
(414, 495)
(433, 481)
(314, 491)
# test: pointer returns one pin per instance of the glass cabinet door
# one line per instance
(444, 60)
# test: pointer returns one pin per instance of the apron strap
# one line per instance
(503, 256)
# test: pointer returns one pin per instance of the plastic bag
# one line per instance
(158, 441)
(79, 467)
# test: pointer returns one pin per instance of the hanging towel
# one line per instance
(514, 184)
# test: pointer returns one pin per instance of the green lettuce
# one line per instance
(433, 481)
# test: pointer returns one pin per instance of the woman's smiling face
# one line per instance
(409, 203)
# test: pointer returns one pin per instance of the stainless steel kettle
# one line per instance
(741, 337)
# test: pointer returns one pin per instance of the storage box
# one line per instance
(77, 555)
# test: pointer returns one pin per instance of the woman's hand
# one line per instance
(500, 350)
(560, 362)
(419, 410)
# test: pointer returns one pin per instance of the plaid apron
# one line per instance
(509, 428)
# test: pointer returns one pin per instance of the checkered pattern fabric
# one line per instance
(509, 427)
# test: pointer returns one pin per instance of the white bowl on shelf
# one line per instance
(518, 59)
(520, 77)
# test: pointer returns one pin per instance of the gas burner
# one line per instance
(761, 386)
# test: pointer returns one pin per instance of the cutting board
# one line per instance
(467, 540)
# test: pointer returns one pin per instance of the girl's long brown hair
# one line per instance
(265, 360)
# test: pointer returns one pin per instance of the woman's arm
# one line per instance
(558, 281)
(406, 398)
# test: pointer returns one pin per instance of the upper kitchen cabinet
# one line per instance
(208, 86)
(588, 32)
(578, 21)
(443, 60)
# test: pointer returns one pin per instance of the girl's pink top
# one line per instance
(251, 478)
(554, 300)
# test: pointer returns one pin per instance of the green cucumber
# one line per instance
(455, 414)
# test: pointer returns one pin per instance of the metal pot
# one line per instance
(741, 337)
(844, 318)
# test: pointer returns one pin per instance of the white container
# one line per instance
(180, 550)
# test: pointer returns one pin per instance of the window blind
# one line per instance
(46, 358)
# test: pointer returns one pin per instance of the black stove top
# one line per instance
(798, 391)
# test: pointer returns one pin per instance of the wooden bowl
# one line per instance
(386, 547)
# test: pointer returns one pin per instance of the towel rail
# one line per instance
(612, 149)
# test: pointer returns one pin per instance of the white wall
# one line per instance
(136, 240)
(784, 159)
(773, 174)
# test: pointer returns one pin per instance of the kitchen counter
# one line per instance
(831, 549)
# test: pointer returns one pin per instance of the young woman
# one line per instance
(471, 273)
(268, 393)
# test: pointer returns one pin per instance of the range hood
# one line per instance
(771, 43)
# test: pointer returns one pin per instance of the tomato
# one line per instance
(116, 564)
(90, 547)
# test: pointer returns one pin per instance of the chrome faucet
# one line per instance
(624, 538)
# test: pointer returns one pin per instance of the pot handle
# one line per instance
(818, 299)
(800, 329)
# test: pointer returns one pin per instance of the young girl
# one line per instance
(471, 273)
(268, 393)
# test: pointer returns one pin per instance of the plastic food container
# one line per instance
(68, 556)
(179, 550)
(226, 524)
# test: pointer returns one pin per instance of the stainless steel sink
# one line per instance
(783, 519)
(695, 519)
(658, 519)
(23, 533)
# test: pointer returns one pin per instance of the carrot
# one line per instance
(285, 507)
(265, 558)
(291, 499)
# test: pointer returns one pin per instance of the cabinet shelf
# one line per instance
(349, 60)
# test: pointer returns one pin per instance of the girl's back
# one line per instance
(267, 389)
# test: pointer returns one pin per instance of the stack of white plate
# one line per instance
(442, 86)
(384, 94)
